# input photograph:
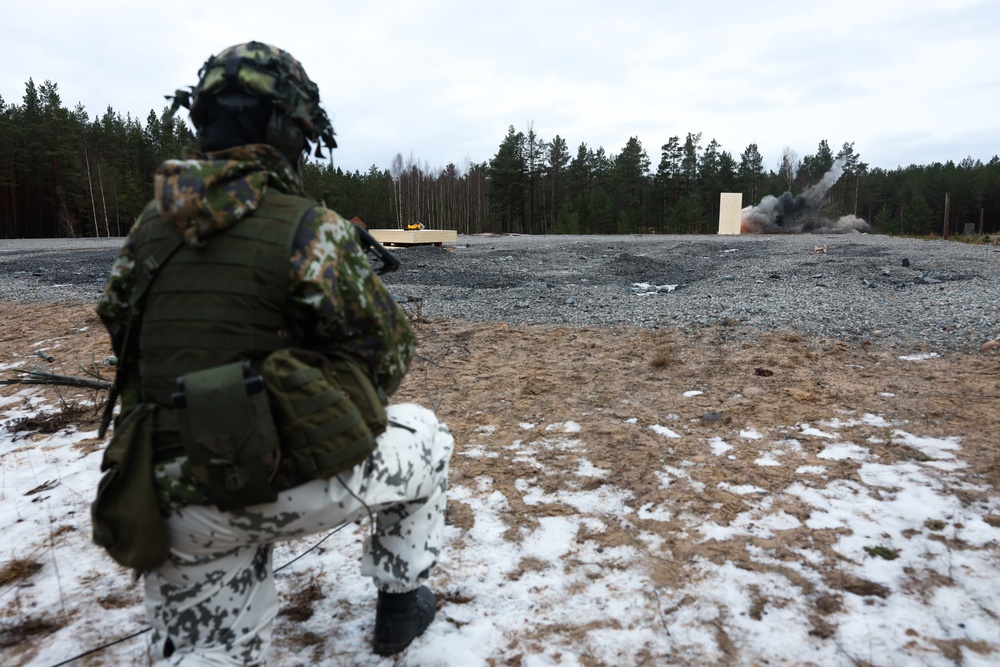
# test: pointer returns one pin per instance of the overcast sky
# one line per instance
(908, 81)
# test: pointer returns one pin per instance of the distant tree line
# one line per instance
(65, 174)
(537, 186)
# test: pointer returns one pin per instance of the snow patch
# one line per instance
(664, 431)
(719, 446)
(923, 356)
(564, 427)
(843, 451)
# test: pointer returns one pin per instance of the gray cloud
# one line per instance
(443, 79)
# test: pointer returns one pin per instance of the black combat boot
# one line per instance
(400, 618)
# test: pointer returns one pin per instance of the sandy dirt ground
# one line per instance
(477, 374)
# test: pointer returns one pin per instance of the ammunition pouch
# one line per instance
(326, 410)
(228, 433)
(125, 515)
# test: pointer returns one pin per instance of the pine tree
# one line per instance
(751, 173)
(630, 171)
(556, 164)
(508, 182)
(668, 174)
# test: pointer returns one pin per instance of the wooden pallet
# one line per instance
(406, 237)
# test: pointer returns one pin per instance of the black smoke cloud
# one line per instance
(799, 214)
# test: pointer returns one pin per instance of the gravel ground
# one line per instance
(907, 293)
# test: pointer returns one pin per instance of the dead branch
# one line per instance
(36, 375)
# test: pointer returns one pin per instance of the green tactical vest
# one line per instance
(219, 303)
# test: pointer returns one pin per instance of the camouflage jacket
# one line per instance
(332, 286)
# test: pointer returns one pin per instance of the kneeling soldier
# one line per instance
(256, 353)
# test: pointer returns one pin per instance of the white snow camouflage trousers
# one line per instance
(214, 601)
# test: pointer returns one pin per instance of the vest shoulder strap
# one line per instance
(143, 279)
(290, 208)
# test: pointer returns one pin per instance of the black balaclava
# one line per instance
(234, 119)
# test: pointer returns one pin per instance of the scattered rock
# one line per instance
(769, 286)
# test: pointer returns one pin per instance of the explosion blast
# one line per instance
(798, 214)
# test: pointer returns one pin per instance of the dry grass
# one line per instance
(21, 629)
(664, 352)
(22, 632)
(501, 376)
(17, 570)
(70, 414)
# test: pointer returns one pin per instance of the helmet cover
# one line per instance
(261, 70)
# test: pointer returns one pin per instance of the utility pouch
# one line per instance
(323, 431)
(125, 515)
(228, 433)
(355, 383)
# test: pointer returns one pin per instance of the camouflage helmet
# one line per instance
(261, 70)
